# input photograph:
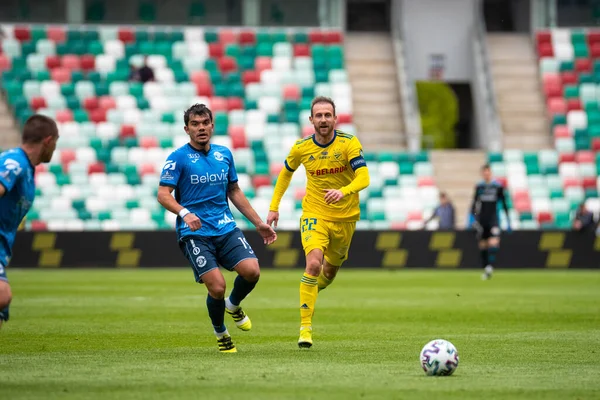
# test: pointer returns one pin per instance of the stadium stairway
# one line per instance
(518, 92)
(456, 172)
(9, 135)
(376, 99)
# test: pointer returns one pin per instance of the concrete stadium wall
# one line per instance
(370, 249)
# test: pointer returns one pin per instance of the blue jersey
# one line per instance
(17, 177)
(200, 180)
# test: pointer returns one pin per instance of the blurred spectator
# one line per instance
(584, 219)
(146, 73)
(444, 213)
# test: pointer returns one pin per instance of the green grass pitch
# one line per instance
(145, 334)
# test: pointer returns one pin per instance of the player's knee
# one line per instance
(252, 275)
(330, 273)
(313, 267)
(5, 295)
(216, 290)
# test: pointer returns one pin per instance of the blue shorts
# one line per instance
(207, 253)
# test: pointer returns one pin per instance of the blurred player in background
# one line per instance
(17, 189)
(203, 176)
(484, 210)
(336, 172)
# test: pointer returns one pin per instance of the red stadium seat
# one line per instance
(90, 103)
(316, 36)
(41, 168)
(588, 183)
(61, 75)
(545, 50)
(56, 34)
(552, 90)
(64, 116)
(5, 63)
(52, 62)
(238, 137)
(502, 180)
(583, 65)
(301, 50)
(22, 33)
(398, 226)
(227, 36)
(262, 63)
(247, 37)
(235, 103)
(561, 131)
(126, 35)
(344, 119)
(218, 104)
(127, 131)
(566, 157)
(107, 103)
(571, 182)
(71, 62)
(595, 50)
(227, 64)
(250, 77)
(149, 142)
(333, 37)
(96, 168)
(261, 180)
(569, 78)
(88, 62)
(520, 195)
(215, 50)
(522, 205)
(38, 226)
(544, 217)
(596, 144)
(66, 156)
(574, 104)
(307, 130)
(204, 89)
(556, 105)
(275, 169)
(299, 193)
(593, 37)
(37, 102)
(414, 215)
(425, 181)
(98, 115)
(292, 92)
(200, 77)
(543, 37)
(147, 169)
(585, 157)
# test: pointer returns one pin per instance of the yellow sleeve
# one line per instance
(360, 182)
(292, 162)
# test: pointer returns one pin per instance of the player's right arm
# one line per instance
(292, 162)
(168, 182)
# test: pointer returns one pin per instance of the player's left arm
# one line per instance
(2, 190)
(361, 174)
(502, 197)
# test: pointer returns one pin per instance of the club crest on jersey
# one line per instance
(337, 154)
(218, 156)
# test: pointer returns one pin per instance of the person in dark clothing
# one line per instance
(444, 213)
(584, 219)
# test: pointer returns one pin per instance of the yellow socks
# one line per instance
(322, 281)
(308, 298)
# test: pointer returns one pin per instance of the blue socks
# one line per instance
(216, 312)
(241, 289)
(4, 314)
(492, 251)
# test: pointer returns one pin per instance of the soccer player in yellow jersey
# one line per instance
(336, 171)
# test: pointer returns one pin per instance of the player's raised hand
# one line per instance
(192, 221)
(268, 234)
(273, 218)
(333, 195)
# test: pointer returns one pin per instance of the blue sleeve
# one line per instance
(11, 168)
(171, 171)
(232, 177)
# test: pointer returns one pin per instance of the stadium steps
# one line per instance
(9, 134)
(376, 100)
(518, 93)
(456, 172)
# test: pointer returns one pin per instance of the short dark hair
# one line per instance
(37, 128)
(197, 109)
(485, 166)
(321, 99)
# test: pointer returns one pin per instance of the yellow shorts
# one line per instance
(333, 238)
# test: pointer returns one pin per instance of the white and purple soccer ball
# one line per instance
(439, 358)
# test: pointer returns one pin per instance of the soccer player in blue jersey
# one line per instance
(17, 189)
(203, 177)
(484, 210)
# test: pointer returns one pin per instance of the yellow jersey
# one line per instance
(330, 166)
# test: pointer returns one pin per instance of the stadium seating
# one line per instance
(116, 134)
(547, 186)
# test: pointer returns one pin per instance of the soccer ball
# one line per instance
(439, 358)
